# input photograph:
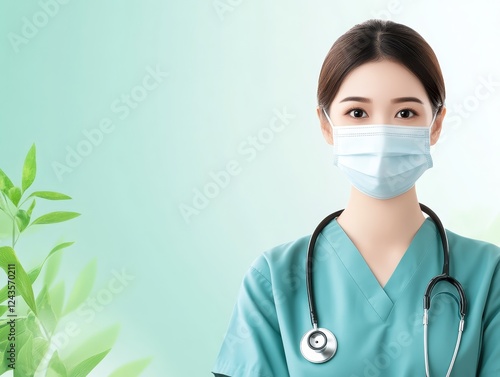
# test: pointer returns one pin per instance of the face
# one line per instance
(381, 92)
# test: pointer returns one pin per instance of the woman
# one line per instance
(381, 105)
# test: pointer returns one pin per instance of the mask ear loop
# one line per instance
(327, 117)
(434, 118)
(432, 125)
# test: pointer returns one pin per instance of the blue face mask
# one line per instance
(382, 161)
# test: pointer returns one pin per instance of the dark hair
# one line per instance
(375, 40)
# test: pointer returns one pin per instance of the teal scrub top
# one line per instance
(379, 329)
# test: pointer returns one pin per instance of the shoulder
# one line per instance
(475, 262)
(281, 259)
(471, 249)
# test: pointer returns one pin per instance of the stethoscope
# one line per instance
(319, 345)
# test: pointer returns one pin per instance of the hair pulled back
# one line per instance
(375, 40)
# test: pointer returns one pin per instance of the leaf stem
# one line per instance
(19, 235)
(24, 201)
(4, 211)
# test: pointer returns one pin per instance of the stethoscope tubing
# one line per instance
(316, 356)
(310, 257)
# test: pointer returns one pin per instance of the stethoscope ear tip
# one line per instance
(319, 345)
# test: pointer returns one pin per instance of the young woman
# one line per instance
(381, 105)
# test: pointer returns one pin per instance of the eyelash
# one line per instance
(352, 109)
(410, 109)
(406, 108)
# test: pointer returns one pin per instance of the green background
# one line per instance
(224, 74)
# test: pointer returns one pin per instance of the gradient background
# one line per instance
(227, 73)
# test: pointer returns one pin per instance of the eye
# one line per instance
(406, 113)
(357, 113)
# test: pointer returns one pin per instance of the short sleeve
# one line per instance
(252, 346)
(489, 361)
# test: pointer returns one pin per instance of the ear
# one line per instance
(437, 126)
(326, 128)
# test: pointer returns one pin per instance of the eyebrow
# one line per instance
(394, 100)
(357, 99)
(406, 99)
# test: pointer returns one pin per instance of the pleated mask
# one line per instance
(382, 161)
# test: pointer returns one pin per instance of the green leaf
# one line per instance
(29, 168)
(41, 296)
(45, 312)
(57, 298)
(23, 327)
(56, 367)
(3, 309)
(5, 182)
(32, 324)
(132, 369)
(83, 286)
(23, 337)
(50, 195)
(96, 343)
(24, 359)
(26, 327)
(55, 217)
(84, 368)
(33, 274)
(4, 329)
(3, 357)
(14, 195)
(52, 268)
(22, 219)
(5, 222)
(30, 209)
(30, 354)
(40, 347)
(22, 281)
(3, 293)
(51, 271)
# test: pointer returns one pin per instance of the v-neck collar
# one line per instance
(382, 299)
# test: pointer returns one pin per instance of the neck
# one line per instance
(382, 221)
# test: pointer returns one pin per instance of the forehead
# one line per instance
(381, 80)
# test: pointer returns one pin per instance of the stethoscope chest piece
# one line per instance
(318, 345)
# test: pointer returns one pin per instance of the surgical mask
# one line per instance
(382, 161)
